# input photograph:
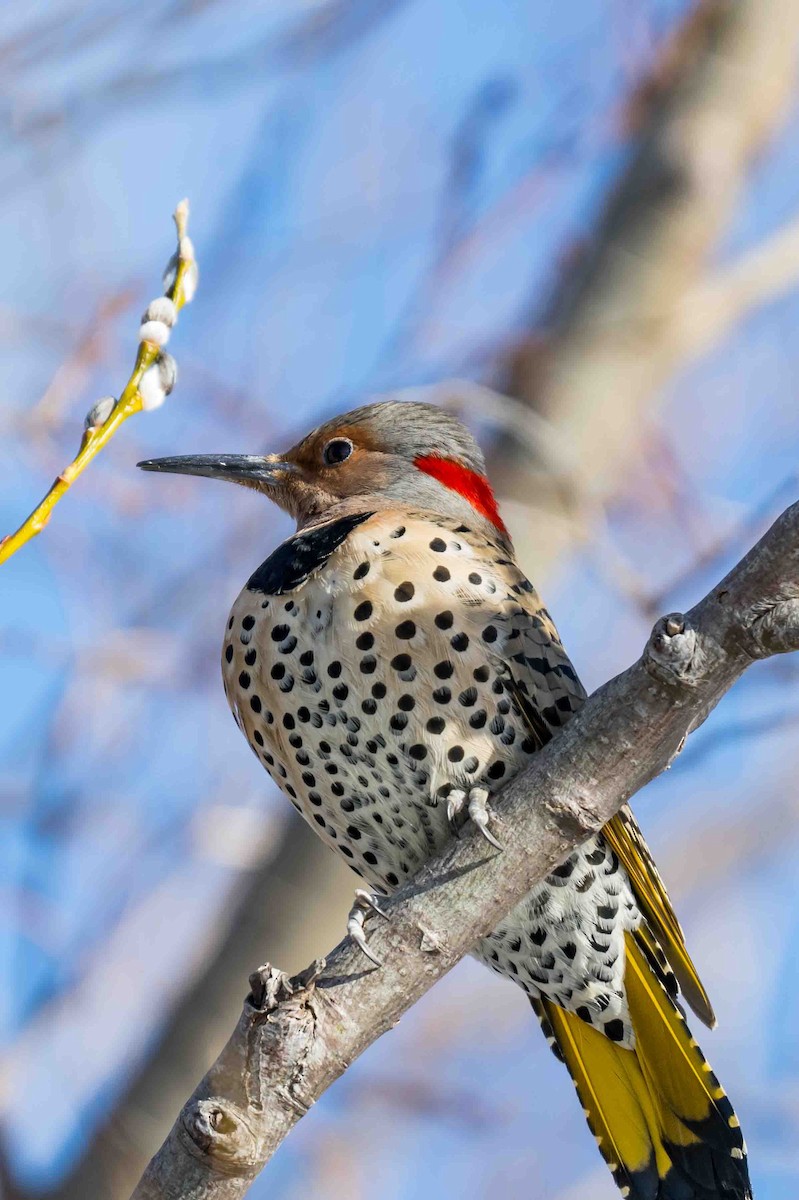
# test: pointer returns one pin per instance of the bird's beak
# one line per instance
(253, 469)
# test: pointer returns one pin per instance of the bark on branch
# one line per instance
(292, 1041)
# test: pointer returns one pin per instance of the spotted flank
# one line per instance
(384, 664)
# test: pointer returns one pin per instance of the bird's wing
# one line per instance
(625, 838)
(547, 690)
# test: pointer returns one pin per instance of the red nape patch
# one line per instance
(473, 487)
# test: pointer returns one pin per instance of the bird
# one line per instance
(392, 667)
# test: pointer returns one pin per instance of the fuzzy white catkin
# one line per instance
(99, 413)
(161, 309)
(154, 331)
(190, 280)
(157, 382)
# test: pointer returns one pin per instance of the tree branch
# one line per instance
(293, 1040)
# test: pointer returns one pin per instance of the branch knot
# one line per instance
(217, 1130)
(672, 654)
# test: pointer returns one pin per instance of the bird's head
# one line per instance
(392, 454)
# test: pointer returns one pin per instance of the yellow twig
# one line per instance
(180, 282)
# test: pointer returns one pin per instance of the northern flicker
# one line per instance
(392, 668)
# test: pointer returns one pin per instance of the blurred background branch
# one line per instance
(616, 331)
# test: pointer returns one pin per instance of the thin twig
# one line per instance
(142, 391)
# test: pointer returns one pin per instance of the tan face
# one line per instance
(337, 464)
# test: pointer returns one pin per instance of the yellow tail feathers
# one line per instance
(663, 1123)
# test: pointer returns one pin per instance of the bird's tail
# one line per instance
(663, 1123)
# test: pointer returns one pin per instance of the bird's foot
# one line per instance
(481, 814)
(473, 803)
(363, 906)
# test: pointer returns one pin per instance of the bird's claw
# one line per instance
(481, 814)
(363, 906)
(474, 804)
(456, 802)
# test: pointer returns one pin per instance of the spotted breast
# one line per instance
(380, 663)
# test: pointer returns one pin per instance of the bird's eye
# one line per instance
(337, 450)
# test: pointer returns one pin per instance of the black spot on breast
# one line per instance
(296, 559)
(565, 869)
(615, 1030)
(364, 611)
(404, 592)
(405, 630)
(438, 545)
(365, 641)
